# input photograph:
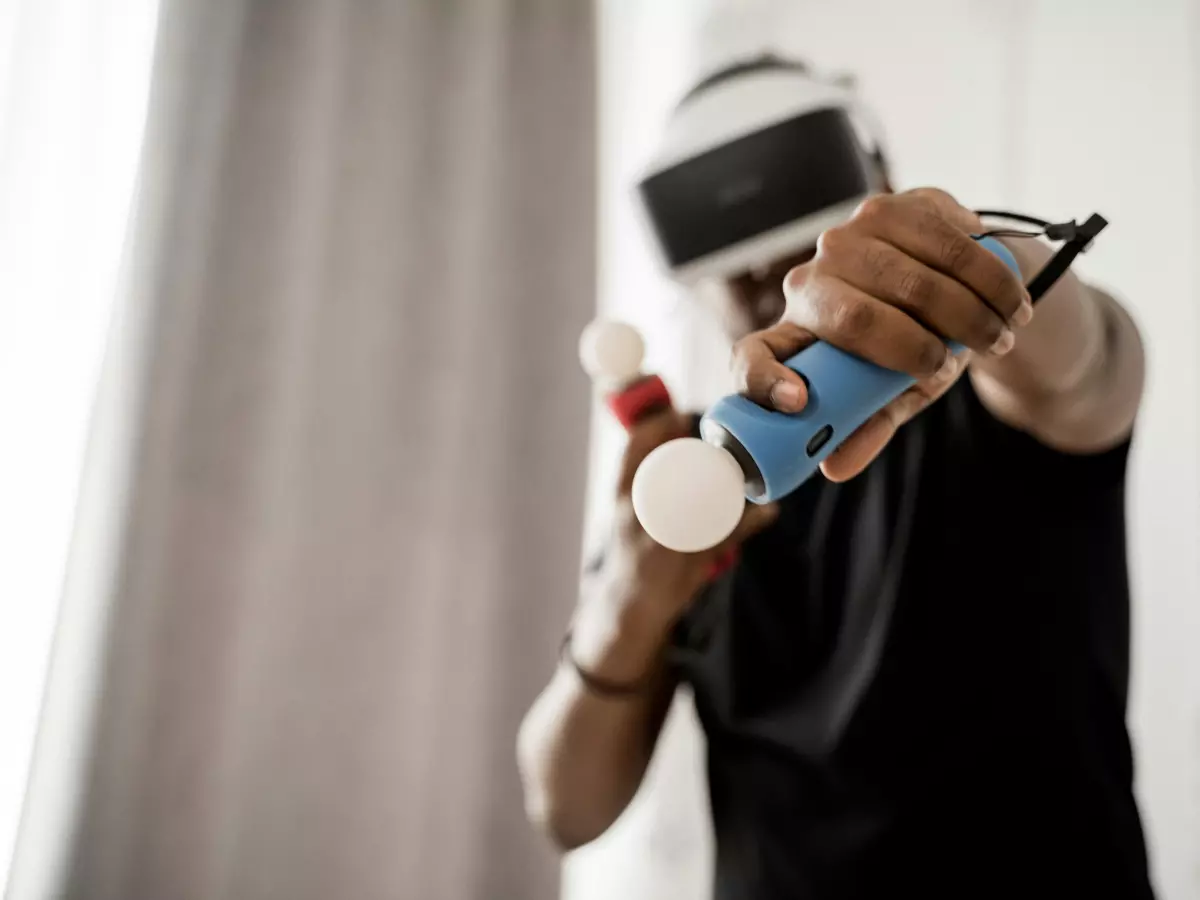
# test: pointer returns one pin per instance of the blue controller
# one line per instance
(779, 451)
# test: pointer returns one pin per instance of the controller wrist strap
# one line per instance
(1076, 239)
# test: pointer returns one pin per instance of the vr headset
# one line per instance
(761, 157)
(758, 159)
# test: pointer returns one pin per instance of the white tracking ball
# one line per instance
(611, 352)
(689, 495)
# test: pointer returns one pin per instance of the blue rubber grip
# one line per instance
(843, 392)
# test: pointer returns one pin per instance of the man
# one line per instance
(915, 677)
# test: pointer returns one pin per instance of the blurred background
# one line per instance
(296, 459)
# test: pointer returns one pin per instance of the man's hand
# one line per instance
(640, 575)
(582, 755)
(891, 285)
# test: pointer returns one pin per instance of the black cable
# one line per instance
(1002, 232)
(1012, 217)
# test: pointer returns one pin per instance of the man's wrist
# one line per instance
(622, 643)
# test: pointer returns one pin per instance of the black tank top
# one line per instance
(917, 680)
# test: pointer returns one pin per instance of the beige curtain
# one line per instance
(329, 528)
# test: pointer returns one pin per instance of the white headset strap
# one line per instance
(865, 118)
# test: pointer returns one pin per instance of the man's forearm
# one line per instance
(1074, 377)
(582, 756)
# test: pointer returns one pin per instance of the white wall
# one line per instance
(1057, 107)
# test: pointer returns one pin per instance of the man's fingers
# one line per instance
(932, 228)
(760, 374)
(965, 219)
(860, 449)
(648, 433)
(863, 325)
(754, 519)
(939, 302)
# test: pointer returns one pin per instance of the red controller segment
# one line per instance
(612, 353)
(640, 398)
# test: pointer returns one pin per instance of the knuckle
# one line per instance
(797, 277)
(923, 197)
(852, 317)
(908, 406)
(791, 332)
(753, 381)
(986, 328)
(742, 350)
(876, 259)
(874, 209)
(924, 210)
(930, 356)
(916, 289)
(954, 252)
(834, 242)
(740, 360)
(933, 195)
(800, 313)
(1003, 292)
